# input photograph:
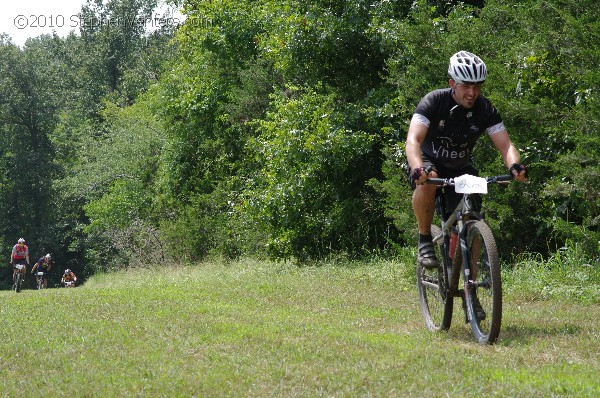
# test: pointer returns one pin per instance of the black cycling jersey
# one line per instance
(453, 129)
(42, 265)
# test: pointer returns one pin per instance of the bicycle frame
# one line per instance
(460, 217)
(457, 218)
(463, 208)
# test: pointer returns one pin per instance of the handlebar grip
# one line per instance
(436, 181)
(506, 177)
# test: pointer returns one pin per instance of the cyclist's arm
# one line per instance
(510, 154)
(417, 132)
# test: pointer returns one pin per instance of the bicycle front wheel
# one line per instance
(485, 285)
(435, 301)
(18, 281)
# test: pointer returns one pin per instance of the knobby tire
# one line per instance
(483, 253)
(435, 302)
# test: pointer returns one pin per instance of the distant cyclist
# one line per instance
(68, 279)
(44, 264)
(19, 255)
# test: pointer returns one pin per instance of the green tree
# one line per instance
(312, 190)
(111, 64)
(31, 96)
(540, 79)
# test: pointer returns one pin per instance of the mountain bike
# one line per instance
(18, 278)
(469, 266)
(40, 279)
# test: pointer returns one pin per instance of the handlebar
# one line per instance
(490, 180)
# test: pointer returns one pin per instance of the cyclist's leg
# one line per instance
(423, 203)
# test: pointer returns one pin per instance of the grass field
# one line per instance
(260, 329)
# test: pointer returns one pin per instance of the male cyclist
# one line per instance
(44, 264)
(68, 276)
(442, 134)
(19, 255)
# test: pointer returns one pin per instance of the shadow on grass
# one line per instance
(529, 334)
(512, 334)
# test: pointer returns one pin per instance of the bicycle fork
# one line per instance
(463, 265)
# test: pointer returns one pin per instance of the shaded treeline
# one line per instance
(276, 128)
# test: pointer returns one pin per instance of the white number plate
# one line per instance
(470, 184)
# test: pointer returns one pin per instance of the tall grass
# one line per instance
(567, 275)
(260, 329)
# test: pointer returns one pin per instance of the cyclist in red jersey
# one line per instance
(19, 255)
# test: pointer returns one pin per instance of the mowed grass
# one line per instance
(261, 329)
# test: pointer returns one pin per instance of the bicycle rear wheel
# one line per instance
(435, 301)
(486, 284)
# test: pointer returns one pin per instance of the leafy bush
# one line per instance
(311, 189)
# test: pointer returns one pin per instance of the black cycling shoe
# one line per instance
(426, 257)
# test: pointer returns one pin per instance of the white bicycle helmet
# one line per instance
(466, 67)
(21, 241)
(48, 256)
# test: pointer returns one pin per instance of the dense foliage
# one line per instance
(276, 128)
